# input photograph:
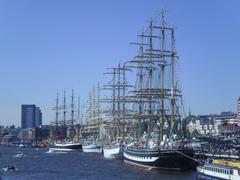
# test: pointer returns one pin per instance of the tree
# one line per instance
(195, 133)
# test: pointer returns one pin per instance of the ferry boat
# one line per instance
(219, 169)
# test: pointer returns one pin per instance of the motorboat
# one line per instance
(9, 168)
(19, 154)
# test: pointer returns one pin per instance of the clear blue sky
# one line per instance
(51, 45)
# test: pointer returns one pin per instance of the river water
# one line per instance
(37, 164)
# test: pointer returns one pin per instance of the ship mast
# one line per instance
(162, 64)
(98, 111)
(173, 81)
(156, 92)
(55, 124)
(71, 124)
(117, 87)
(150, 74)
(78, 118)
(64, 114)
(112, 86)
(90, 110)
(140, 76)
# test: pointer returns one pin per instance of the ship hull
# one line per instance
(111, 153)
(202, 176)
(181, 160)
(68, 147)
(76, 146)
(92, 148)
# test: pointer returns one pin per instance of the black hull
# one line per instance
(182, 160)
(72, 147)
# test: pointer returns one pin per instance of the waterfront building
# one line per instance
(224, 123)
(7, 139)
(225, 118)
(206, 125)
(191, 126)
(229, 130)
(203, 124)
(238, 111)
(28, 134)
(211, 124)
(3, 131)
(38, 117)
(31, 116)
(43, 132)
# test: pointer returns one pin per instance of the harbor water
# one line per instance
(37, 164)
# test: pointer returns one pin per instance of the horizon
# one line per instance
(48, 47)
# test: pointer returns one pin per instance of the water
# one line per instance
(37, 164)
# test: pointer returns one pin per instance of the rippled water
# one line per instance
(37, 164)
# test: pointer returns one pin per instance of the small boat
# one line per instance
(9, 168)
(19, 154)
(219, 169)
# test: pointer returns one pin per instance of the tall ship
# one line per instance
(66, 134)
(92, 141)
(156, 102)
(114, 111)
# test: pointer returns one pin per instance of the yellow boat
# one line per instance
(226, 162)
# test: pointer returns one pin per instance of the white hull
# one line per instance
(53, 150)
(67, 144)
(209, 174)
(19, 155)
(111, 153)
(92, 148)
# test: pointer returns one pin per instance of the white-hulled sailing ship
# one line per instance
(64, 132)
(156, 102)
(114, 114)
(93, 142)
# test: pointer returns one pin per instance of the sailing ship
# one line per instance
(156, 101)
(93, 143)
(114, 114)
(64, 131)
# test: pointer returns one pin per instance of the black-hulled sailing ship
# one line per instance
(66, 134)
(156, 102)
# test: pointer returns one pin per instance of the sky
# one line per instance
(48, 46)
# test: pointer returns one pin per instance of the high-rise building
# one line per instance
(31, 116)
(38, 117)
